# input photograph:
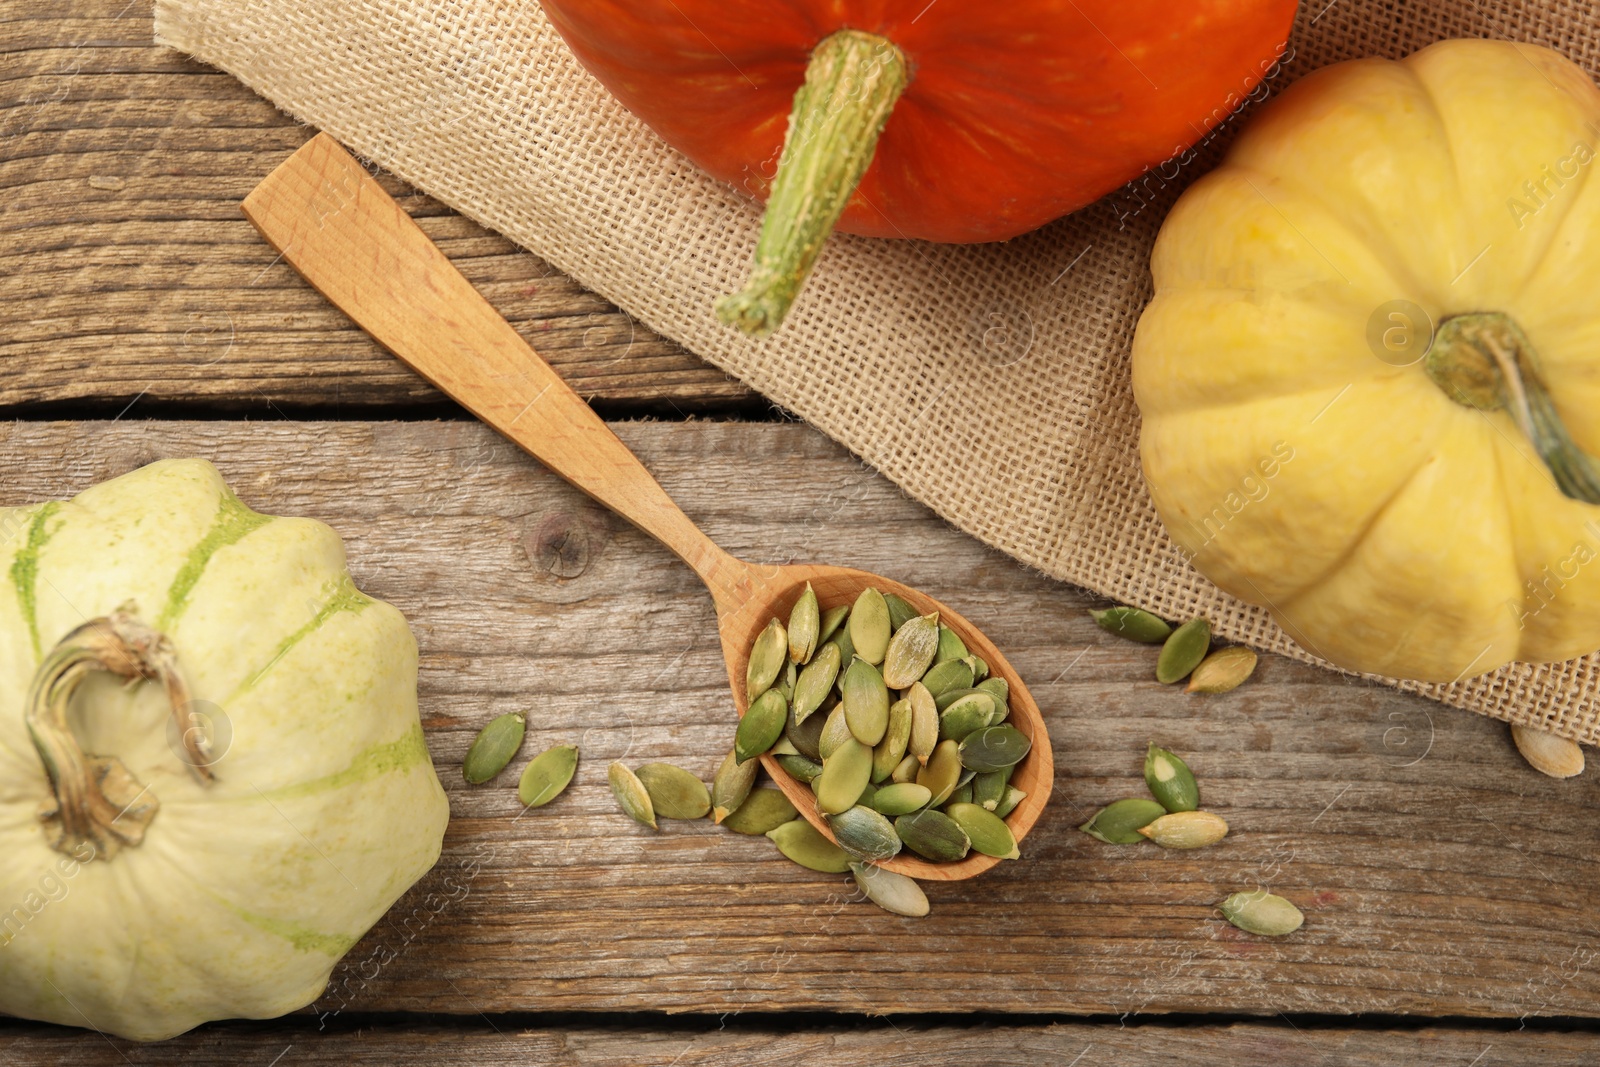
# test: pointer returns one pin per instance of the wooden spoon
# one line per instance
(354, 243)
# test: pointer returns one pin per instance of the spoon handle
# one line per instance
(350, 240)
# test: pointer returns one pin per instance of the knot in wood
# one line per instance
(561, 545)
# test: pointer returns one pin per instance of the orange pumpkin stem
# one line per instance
(852, 84)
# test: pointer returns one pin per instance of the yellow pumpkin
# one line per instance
(1370, 374)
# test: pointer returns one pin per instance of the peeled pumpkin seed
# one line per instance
(865, 834)
(979, 665)
(951, 646)
(987, 831)
(1000, 690)
(834, 730)
(933, 835)
(631, 794)
(911, 651)
(767, 657)
(1261, 912)
(901, 798)
(900, 612)
(763, 810)
(761, 726)
(892, 749)
(989, 788)
(994, 748)
(1134, 624)
(731, 785)
(799, 768)
(785, 681)
(1547, 753)
(1118, 823)
(1224, 670)
(547, 775)
(869, 626)
(924, 722)
(1186, 829)
(845, 776)
(674, 792)
(894, 893)
(801, 842)
(832, 619)
(907, 771)
(494, 747)
(950, 696)
(815, 682)
(1009, 802)
(943, 771)
(783, 746)
(943, 677)
(805, 627)
(847, 648)
(966, 716)
(1170, 780)
(866, 702)
(961, 795)
(806, 737)
(1183, 651)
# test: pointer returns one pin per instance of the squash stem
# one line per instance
(96, 801)
(1483, 360)
(852, 84)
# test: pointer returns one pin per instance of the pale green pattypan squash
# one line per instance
(213, 779)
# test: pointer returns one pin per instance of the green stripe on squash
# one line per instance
(25, 571)
(233, 523)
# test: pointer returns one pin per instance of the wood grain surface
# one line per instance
(1438, 873)
(129, 277)
(476, 1042)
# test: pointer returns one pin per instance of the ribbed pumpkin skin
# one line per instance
(1017, 113)
(1387, 527)
(325, 809)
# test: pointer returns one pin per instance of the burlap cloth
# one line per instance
(991, 382)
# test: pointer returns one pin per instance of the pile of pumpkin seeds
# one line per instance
(1185, 650)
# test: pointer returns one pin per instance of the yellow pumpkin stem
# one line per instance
(96, 801)
(852, 83)
(1483, 360)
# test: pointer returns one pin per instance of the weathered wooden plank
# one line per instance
(1438, 873)
(127, 272)
(477, 1042)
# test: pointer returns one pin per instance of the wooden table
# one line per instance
(1448, 888)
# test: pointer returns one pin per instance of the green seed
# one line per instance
(674, 792)
(901, 798)
(761, 726)
(911, 651)
(785, 682)
(831, 621)
(767, 657)
(943, 677)
(942, 774)
(865, 834)
(869, 626)
(835, 729)
(966, 716)
(847, 648)
(806, 737)
(1224, 670)
(1009, 802)
(933, 835)
(763, 810)
(866, 701)
(924, 722)
(1186, 829)
(1183, 651)
(494, 747)
(894, 893)
(805, 625)
(989, 788)
(892, 749)
(547, 775)
(962, 795)
(816, 681)
(1134, 624)
(900, 612)
(799, 768)
(1119, 823)
(987, 831)
(845, 776)
(1260, 912)
(907, 772)
(994, 748)
(803, 843)
(783, 746)
(631, 794)
(951, 647)
(1000, 690)
(979, 665)
(1170, 780)
(731, 785)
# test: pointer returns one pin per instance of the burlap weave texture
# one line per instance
(991, 382)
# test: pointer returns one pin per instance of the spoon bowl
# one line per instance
(350, 240)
